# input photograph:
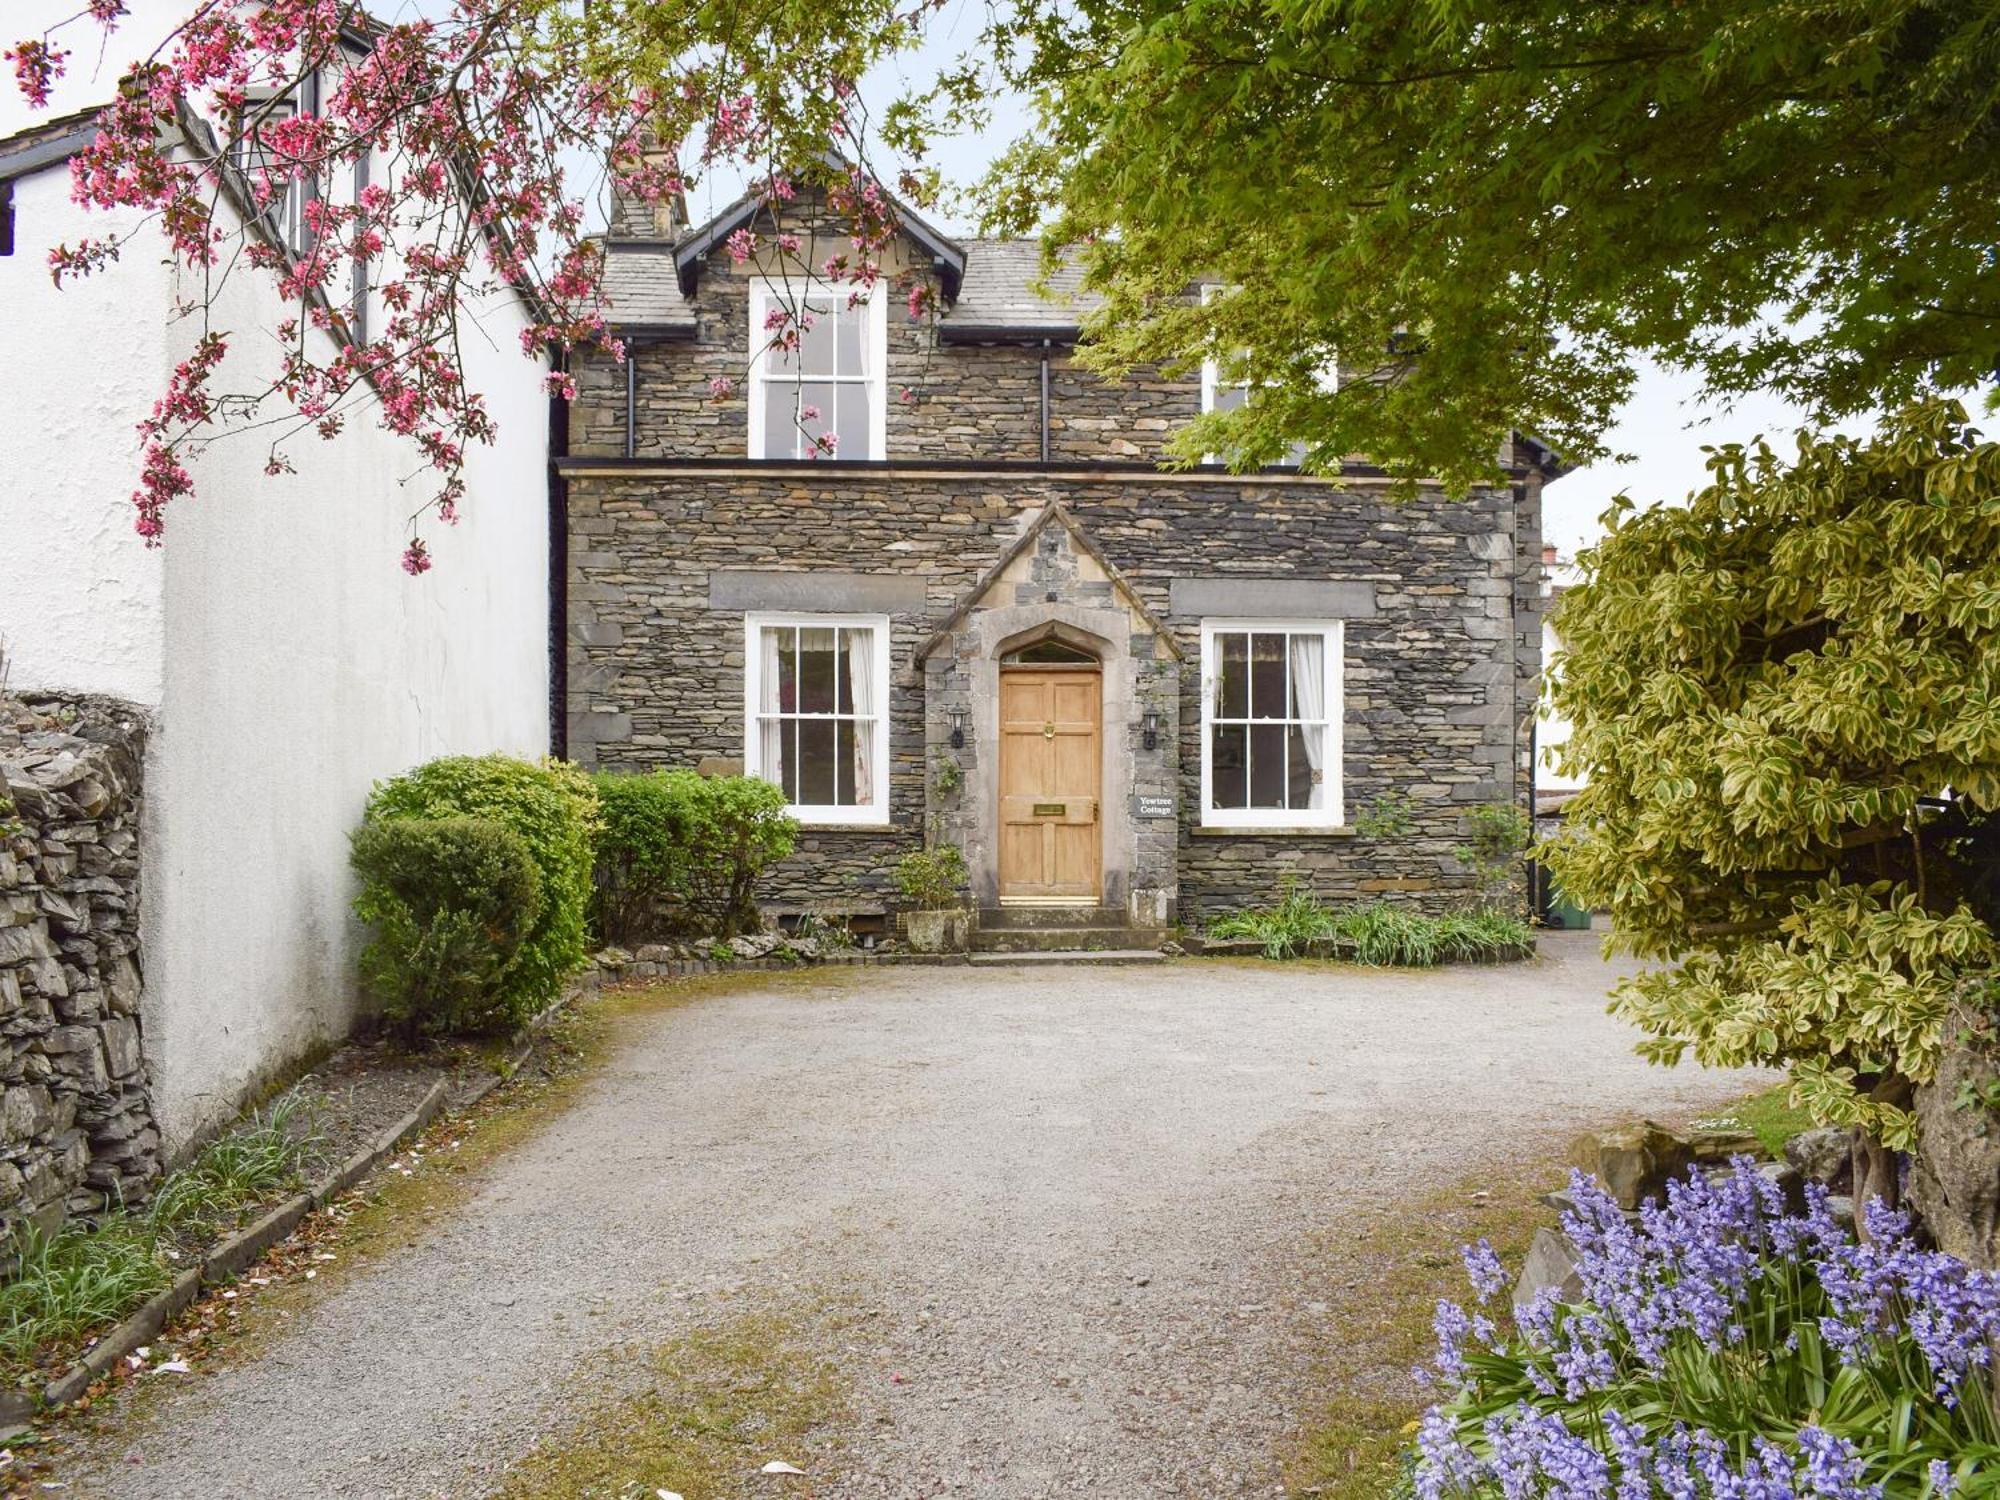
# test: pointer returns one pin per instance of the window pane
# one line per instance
(1306, 786)
(1267, 676)
(1227, 785)
(788, 669)
(852, 403)
(789, 730)
(843, 762)
(857, 671)
(1233, 669)
(851, 347)
(815, 412)
(781, 410)
(1267, 765)
(777, 360)
(771, 643)
(817, 345)
(816, 670)
(816, 763)
(1228, 397)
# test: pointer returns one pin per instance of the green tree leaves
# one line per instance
(1783, 696)
(1486, 212)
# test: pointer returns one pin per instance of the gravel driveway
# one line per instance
(1069, 1201)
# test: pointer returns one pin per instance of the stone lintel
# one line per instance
(819, 590)
(1277, 598)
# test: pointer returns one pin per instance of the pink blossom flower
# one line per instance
(721, 388)
(416, 558)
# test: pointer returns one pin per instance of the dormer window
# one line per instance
(817, 372)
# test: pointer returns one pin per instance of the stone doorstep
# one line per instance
(1020, 940)
(1083, 957)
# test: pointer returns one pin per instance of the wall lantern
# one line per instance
(1151, 727)
(958, 729)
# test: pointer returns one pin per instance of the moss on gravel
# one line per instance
(717, 1405)
(1386, 1285)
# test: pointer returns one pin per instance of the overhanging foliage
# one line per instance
(1786, 698)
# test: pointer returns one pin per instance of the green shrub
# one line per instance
(931, 879)
(552, 808)
(682, 849)
(1299, 918)
(451, 901)
(1379, 933)
(1499, 836)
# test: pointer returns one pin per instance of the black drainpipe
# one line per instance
(631, 400)
(558, 573)
(1045, 400)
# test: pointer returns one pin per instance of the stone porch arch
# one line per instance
(1054, 583)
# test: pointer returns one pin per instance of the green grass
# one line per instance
(1769, 1116)
(1382, 1286)
(1379, 934)
(261, 1158)
(73, 1282)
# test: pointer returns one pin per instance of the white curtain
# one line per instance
(1309, 706)
(861, 684)
(770, 727)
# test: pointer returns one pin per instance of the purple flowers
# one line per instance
(1722, 1350)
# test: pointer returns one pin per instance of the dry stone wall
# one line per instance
(76, 1124)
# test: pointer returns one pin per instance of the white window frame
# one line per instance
(1333, 814)
(873, 814)
(766, 293)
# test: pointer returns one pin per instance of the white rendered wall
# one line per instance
(303, 665)
(1552, 729)
(80, 602)
(291, 661)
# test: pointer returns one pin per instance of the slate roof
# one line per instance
(47, 143)
(999, 292)
(643, 280)
(642, 288)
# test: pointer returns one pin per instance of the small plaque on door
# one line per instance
(1051, 809)
(1155, 807)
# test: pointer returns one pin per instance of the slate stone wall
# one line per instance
(76, 1124)
(1441, 653)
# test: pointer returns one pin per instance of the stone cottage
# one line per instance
(929, 576)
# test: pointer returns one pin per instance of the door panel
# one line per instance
(1051, 767)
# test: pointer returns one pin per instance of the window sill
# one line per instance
(807, 826)
(1260, 831)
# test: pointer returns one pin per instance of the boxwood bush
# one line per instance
(451, 901)
(552, 808)
(683, 851)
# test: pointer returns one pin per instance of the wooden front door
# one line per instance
(1051, 769)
